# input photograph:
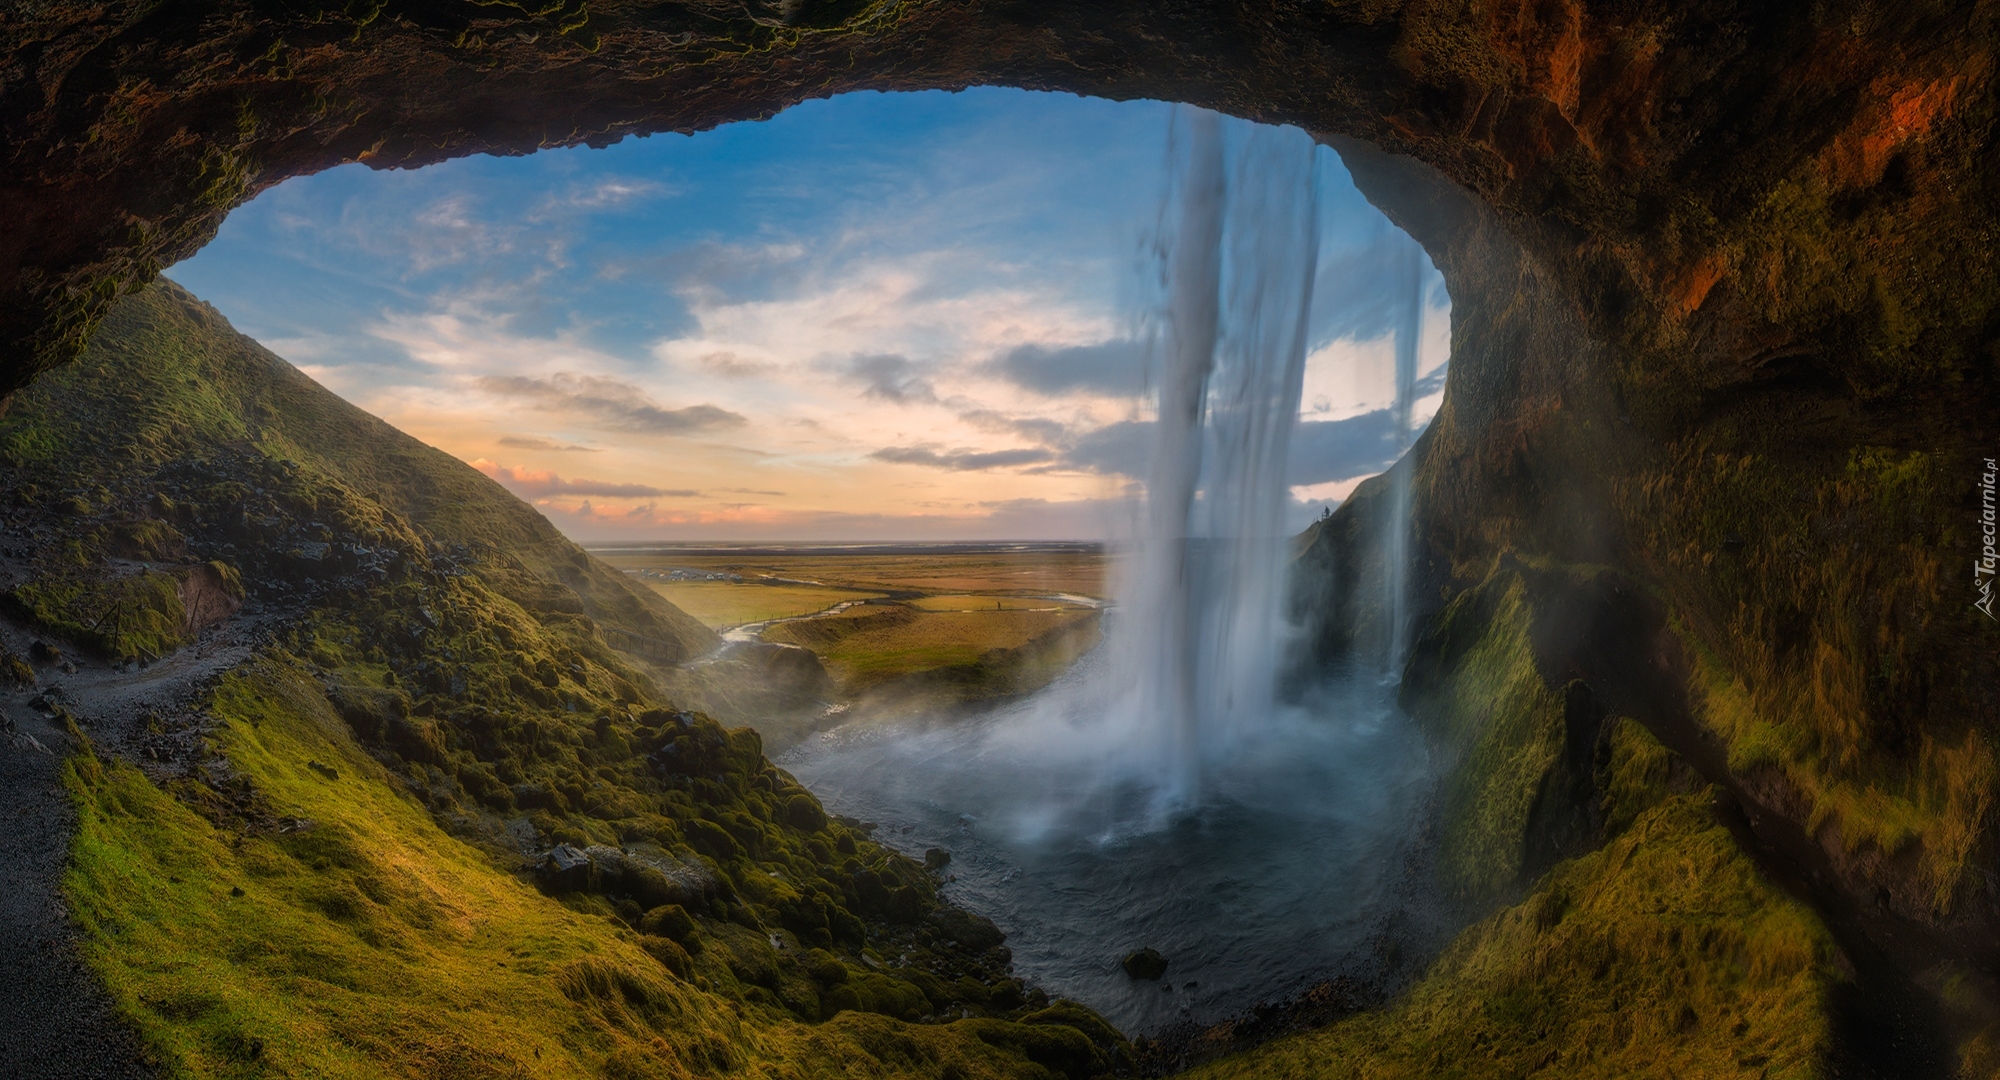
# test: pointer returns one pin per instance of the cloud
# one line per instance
(721, 272)
(445, 232)
(731, 366)
(1328, 450)
(619, 406)
(1123, 449)
(962, 460)
(1116, 367)
(536, 442)
(604, 194)
(540, 485)
(1034, 428)
(1321, 451)
(1018, 519)
(889, 377)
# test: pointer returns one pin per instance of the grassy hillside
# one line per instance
(440, 826)
(168, 379)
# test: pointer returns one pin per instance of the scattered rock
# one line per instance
(236, 890)
(936, 859)
(44, 653)
(1146, 964)
(975, 932)
(327, 771)
(565, 869)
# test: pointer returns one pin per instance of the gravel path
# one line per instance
(56, 1021)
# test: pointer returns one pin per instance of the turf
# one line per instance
(869, 645)
(722, 604)
(1031, 572)
(348, 936)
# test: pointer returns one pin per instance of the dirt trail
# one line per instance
(56, 1021)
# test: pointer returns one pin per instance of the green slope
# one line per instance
(167, 377)
(359, 886)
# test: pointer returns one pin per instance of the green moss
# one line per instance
(138, 616)
(439, 706)
(1663, 954)
(355, 938)
(167, 380)
(1500, 728)
(15, 669)
(1819, 668)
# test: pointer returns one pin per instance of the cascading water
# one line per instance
(1161, 793)
(1202, 650)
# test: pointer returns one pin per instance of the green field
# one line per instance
(723, 604)
(1076, 570)
(871, 644)
(966, 621)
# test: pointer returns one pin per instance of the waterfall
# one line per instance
(1161, 793)
(1408, 269)
(1236, 264)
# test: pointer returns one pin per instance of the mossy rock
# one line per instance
(1147, 964)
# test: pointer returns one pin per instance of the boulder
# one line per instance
(565, 869)
(975, 932)
(1145, 964)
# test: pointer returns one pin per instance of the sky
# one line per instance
(871, 317)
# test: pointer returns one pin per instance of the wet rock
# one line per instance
(1145, 964)
(936, 859)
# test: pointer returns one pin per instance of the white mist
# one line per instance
(1160, 793)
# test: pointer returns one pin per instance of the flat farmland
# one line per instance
(978, 620)
(723, 604)
(925, 570)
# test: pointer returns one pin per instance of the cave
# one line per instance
(1725, 337)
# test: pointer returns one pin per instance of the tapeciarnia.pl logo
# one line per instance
(1983, 567)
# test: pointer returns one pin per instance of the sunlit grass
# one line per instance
(973, 602)
(720, 604)
(1079, 573)
(350, 937)
(867, 645)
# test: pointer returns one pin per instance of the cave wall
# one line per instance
(1726, 292)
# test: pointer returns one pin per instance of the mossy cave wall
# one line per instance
(1726, 324)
